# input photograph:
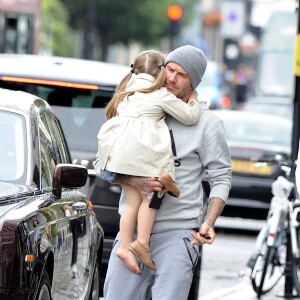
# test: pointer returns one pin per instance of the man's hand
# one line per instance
(144, 185)
(214, 209)
(206, 235)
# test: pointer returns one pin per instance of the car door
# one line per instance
(70, 241)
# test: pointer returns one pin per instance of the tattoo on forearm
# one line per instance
(214, 209)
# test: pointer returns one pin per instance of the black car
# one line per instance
(258, 145)
(50, 241)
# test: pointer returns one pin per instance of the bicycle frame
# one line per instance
(294, 209)
(277, 218)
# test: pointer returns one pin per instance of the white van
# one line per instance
(275, 63)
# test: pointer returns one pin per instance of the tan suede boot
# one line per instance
(169, 184)
(142, 253)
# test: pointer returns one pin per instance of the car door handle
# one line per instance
(79, 206)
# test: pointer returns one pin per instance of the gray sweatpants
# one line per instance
(174, 258)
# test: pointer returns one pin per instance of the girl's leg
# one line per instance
(146, 217)
(140, 247)
(128, 223)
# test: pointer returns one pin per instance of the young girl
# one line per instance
(136, 141)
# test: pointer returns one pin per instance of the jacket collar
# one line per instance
(144, 76)
(138, 81)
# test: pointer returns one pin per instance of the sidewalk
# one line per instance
(244, 291)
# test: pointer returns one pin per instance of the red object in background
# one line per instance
(174, 12)
(225, 102)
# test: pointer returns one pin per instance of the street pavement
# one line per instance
(244, 291)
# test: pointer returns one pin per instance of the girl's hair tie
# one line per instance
(132, 69)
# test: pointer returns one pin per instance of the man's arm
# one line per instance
(214, 209)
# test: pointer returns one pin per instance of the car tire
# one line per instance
(44, 290)
(95, 288)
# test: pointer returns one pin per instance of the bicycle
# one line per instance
(268, 262)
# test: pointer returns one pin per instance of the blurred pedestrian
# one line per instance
(180, 226)
(136, 141)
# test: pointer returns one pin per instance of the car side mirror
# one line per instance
(68, 176)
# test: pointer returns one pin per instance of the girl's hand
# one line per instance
(194, 95)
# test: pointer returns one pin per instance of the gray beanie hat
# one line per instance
(190, 58)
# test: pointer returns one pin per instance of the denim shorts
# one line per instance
(108, 176)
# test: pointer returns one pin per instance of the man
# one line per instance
(201, 153)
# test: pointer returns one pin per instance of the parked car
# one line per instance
(275, 106)
(211, 90)
(77, 91)
(51, 243)
(258, 144)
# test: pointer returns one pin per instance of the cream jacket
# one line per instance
(137, 141)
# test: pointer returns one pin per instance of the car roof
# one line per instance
(257, 123)
(262, 99)
(18, 100)
(62, 68)
(279, 106)
(250, 116)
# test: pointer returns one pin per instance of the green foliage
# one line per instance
(55, 30)
(123, 21)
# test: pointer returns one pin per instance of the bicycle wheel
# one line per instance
(296, 263)
(267, 270)
(296, 274)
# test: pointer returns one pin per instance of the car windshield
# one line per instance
(277, 132)
(13, 151)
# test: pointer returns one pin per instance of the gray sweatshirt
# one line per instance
(201, 154)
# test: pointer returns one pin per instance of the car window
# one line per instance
(47, 152)
(81, 117)
(13, 150)
(58, 139)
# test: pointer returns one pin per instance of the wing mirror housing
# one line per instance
(68, 176)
